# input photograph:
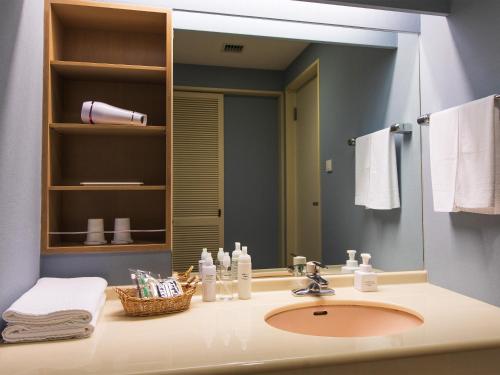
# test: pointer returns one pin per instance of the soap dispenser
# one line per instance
(365, 280)
(351, 263)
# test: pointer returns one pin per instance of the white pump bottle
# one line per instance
(365, 279)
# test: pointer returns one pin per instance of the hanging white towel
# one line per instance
(55, 308)
(362, 170)
(465, 158)
(484, 116)
(475, 183)
(377, 184)
(443, 145)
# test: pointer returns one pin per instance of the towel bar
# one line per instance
(403, 128)
(424, 119)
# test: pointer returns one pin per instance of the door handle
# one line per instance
(315, 204)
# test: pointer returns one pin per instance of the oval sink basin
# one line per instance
(343, 319)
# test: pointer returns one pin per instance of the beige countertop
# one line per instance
(230, 337)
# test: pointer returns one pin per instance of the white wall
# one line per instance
(460, 57)
(20, 146)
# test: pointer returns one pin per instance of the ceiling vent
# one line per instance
(232, 48)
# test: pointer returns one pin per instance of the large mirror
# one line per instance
(264, 149)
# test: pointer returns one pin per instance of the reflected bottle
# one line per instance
(226, 280)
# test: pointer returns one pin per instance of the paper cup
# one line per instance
(122, 231)
(95, 232)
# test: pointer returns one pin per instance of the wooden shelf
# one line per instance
(69, 248)
(109, 72)
(120, 55)
(106, 129)
(107, 188)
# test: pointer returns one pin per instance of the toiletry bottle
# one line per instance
(226, 281)
(365, 279)
(204, 254)
(234, 260)
(244, 274)
(218, 265)
(208, 282)
(351, 264)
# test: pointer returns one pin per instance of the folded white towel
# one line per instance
(443, 145)
(377, 184)
(20, 332)
(55, 308)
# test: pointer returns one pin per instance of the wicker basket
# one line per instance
(135, 306)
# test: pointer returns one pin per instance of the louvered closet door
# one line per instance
(198, 176)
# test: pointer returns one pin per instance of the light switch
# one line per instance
(329, 166)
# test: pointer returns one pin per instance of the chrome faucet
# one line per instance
(318, 285)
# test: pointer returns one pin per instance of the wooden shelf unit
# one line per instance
(120, 55)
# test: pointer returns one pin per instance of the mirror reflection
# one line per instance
(286, 146)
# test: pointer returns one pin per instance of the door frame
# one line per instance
(308, 74)
(281, 151)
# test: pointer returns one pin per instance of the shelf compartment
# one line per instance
(76, 158)
(70, 210)
(108, 129)
(101, 34)
(109, 72)
(68, 95)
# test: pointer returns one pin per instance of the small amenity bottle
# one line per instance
(226, 281)
(234, 260)
(365, 279)
(203, 256)
(218, 264)
(244, 274)
(208, 281)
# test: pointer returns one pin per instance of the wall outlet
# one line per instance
(329, 166)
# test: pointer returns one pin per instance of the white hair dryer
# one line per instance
(102, 113)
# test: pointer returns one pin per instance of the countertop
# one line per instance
(230, 337)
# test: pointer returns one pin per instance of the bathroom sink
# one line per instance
(343, 319)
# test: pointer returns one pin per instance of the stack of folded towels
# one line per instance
(56, 309)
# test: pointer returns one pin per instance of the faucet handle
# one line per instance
(314, 267)
(319, 264)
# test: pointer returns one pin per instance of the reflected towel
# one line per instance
(362, 170)
(377, 184)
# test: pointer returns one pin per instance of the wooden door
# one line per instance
(198, 182)
(308, 172)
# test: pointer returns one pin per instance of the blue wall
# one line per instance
(460, 62)
(20, 147)
(251, 177)
(363, 90)
(224, 77)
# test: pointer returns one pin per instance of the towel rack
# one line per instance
(425, 119)
(403, 128)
